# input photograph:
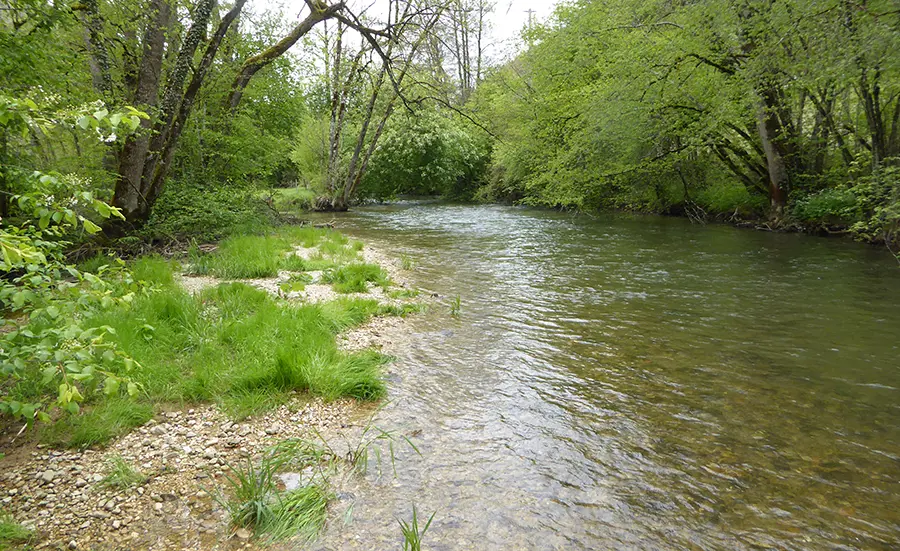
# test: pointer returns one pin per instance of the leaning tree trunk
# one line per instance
(771, 136)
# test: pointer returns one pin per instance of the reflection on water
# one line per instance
(637, 383)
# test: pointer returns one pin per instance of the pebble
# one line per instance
(47, 476)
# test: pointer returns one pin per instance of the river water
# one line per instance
(635, 383)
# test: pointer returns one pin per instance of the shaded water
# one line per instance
(636, 383)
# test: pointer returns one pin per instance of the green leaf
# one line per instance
(132, 389)
(89, 226)
(84, 122)
(49, 373)
(111, 386)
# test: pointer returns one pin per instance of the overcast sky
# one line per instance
(508, 19)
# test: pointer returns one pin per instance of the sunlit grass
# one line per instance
(260, 256)
(121, 475)
(353, 278)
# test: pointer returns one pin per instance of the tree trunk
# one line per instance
(771, 134)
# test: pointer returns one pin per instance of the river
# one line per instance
(632, 382)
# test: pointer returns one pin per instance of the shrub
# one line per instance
(205, 213)
(828, 206)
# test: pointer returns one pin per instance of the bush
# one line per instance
(829, 206)
(878, 195)
(727, 197)
(206, 214)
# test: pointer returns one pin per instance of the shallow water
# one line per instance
(635, 383)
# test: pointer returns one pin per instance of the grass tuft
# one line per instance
(12, 533)
(353, 278)
(412, 533)
(121, 475)
(256, 503)
(98, 424)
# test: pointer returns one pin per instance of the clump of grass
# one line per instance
(455, 306)
(98, 424)
(401, 310)
(256, 503)
(406, 262)
(298, 513)
(235, 345)
(122, 475)
(296, 283)
(12, 533)
(251, 488)
(403, 293)
(412, 533)
(353, 278)
(242, 257)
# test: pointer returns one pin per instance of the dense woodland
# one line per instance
(146, 122)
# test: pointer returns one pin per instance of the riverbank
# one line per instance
(163, 482)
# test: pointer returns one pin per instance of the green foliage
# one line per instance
(293, 199)
(833, 205)
(728, 197)
(353, 278)
(206, 213)
(310, 151)
(12, 533)
(878, 197)
(656, 107)
(455, 306)
(412, 532)
(48, 358)
(427, 154)
(121, 475)
(256, 503)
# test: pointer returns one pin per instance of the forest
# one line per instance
(133, 131)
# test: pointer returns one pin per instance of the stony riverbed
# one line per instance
(63, 496)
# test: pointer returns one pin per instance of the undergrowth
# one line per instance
(232, 344)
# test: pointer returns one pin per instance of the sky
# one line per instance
(508, 19)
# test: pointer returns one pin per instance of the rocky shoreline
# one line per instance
(64, 498)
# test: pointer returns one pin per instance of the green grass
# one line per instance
(353, 278)
(412, 533)
(298, 514)
(234, 345)
(12, 533)
(98, 424)
(253, 500)
(295, 198)
(259, 256)
(121, 475)
(403, 293)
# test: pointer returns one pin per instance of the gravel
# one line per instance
(183, 453)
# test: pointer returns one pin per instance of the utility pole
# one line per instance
(530, 13)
